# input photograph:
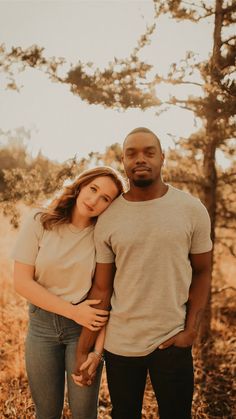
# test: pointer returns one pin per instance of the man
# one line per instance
(154, 242)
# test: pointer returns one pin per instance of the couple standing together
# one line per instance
(152, 250)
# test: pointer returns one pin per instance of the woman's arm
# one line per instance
(82, 313)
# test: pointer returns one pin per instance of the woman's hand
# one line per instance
(90, 366)
(92, 318)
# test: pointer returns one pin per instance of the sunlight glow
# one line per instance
(93, 31)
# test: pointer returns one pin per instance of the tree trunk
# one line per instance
(210, 175)
(209, 165)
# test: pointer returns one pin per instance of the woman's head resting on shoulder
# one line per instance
(85, 199)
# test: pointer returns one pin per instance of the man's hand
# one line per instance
(89, 367)
(81, 378)
(85, 372)
(182, 339)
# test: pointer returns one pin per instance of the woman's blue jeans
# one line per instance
(50, 353)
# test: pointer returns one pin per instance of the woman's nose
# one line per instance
(93, 200)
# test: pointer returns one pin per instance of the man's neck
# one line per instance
(146, 193)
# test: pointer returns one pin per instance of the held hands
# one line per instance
(183, 339)
(86, 315)
(87, 371)
(92, 363)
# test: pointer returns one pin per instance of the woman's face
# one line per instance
(95, 197)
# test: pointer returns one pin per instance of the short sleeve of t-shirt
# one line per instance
(104, 253)
(201, 241)
(27, 244)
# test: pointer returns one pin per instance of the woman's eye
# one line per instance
(105, 199)
(93, 189)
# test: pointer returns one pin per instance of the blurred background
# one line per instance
(75, 78)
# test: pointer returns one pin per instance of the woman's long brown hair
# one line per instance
(60, 210)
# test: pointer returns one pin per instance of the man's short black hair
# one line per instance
(144, 130)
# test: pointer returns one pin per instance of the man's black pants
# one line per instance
(171, 373)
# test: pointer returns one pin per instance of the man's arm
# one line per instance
(198, 297)
(199, 290)
(103, 288)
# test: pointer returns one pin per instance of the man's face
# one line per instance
(142, 158)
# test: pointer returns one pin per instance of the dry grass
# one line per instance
(215, 391)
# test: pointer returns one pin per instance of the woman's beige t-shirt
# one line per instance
(64, 258)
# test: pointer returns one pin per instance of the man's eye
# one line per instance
(105, 199)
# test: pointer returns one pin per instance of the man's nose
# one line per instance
(140, 158)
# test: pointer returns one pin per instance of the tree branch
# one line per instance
(159, 79)
(226, 287)
(226, 41)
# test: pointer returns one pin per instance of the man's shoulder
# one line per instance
(184, 200)
(113, 209)
(184, 196)
(189, 203)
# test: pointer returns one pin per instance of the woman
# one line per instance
(54, 264)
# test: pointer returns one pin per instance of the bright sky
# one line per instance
(91, 31)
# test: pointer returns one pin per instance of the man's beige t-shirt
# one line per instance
(64, 258)
(150, 243)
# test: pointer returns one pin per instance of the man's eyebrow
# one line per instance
(98, 187)
(129, 149)
(149, 148)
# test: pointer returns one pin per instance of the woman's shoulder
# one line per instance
(32, 219)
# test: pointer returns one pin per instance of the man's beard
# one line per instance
(142, 183)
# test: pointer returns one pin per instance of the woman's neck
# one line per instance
(80, 221)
